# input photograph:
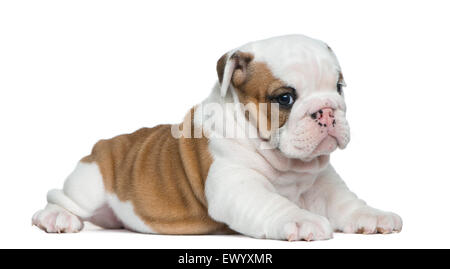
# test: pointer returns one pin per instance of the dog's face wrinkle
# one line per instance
(314, 75)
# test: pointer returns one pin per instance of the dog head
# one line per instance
(300, 80)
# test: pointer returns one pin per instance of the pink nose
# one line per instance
(324, 117)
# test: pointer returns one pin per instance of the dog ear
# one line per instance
(232, 69)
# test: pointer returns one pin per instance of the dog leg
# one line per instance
(81, 199)
(248, 203)
(330, 197)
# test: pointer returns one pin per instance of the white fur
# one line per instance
(84, 198)
(83, 191)
(81, 199)
(287, 193)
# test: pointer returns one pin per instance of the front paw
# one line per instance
(309, 228)
(368, 220)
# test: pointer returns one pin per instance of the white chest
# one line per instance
(293, 184)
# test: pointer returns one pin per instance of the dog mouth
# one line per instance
(327, 145)
(307, 139)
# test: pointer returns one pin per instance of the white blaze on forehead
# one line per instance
(303, 63)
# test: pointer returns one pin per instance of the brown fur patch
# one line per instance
(259, 85)
(241, 60)
(341, 77)
(220, 67)
(162, 176)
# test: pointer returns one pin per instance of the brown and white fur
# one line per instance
(277, 185)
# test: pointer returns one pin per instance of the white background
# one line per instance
(73, 72)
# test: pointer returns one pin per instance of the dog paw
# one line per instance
(309, 229)
(55, 219)
(369, 220)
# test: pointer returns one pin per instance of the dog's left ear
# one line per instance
(232, 69)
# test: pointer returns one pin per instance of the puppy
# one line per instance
(252, 158)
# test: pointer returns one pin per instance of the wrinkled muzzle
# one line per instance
(314, 130)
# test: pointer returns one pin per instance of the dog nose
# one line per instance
(324, 117)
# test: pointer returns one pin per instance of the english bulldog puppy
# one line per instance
(252, 158)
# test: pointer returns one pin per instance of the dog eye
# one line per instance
(285, 100)
(339, 88)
